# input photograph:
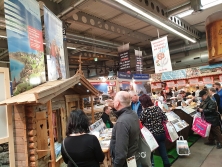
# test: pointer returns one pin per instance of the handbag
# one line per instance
(144, 152)
(201, 127)
(68, 154)
(149, 138)
(170, 131)
(182, 146)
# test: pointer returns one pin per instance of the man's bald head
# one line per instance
(121, 100)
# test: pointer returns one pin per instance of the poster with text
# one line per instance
(161, 55)
(139, 64)
(25, 44)
(141, 84)
(124, 58)
(54, 46)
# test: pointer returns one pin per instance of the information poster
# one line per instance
(125, 81)
(139, 63)
(25, 44)
(106, 88)
(161, 55)
(54, 46)
(124, 57)
(141, 84)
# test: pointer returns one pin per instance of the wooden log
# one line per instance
(31, 120)
(32, 151)
(32, 133)
(32, 139)
(31, 126)
(33, 145)
(33, 164)
(30, 114)
(33, 158)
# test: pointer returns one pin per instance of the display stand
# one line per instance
(6, 125)
(40, 116)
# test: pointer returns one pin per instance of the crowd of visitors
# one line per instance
(84, 150)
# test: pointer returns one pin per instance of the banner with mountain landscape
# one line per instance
(25, 44)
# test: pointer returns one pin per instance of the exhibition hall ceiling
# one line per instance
(95, 28)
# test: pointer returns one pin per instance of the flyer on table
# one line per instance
(54, 46)
(25, 44)
(161, 55)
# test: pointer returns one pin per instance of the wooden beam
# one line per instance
(92, 109)
(52, 147)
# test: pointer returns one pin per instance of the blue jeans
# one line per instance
(162, 149)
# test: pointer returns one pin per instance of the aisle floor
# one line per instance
(201, 156)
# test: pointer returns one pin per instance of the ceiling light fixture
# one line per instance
(210, 3)
(2, 36)
(185, 13)
(146, 15)
(71, 47)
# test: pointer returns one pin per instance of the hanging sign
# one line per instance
(158, 85)
(124, 58)
(181, 83)
(161, 55)
(220, 78)
(124, 75)
(208, 80)
(193, 81)
(25, 44)
(54, 46)
(139, 64)
(170, 84)
(141, 76)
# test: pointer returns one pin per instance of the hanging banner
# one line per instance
(25, 44)
(141, 76)
(124, 57)
(124, 75)
(54, 46)
(220, 78)
(161, 55)
(139, 63)
(170, 84)
(193, 81)
(208, 80)
(181, 83)
(173, 75)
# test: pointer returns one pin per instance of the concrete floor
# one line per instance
(201, 156)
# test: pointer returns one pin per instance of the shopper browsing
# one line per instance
(135, 104)
(125, 135)
(217, 86)
(105, 117)
(82, 148)
(152, 118)
(208, 108)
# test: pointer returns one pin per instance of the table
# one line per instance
(107, 161)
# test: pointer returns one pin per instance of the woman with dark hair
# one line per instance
(84, 149)
(152, 118)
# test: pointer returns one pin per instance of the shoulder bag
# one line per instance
(68, 154)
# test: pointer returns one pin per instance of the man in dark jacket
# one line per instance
(208, 108)
(125, 135)
(135, 104)
(105, 117)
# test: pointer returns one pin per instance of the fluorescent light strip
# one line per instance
(211, 4)
(126, 4)
(71, 48)
(2, 36)
(186, 13)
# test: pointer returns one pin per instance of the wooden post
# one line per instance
(92, 109)
(11, 137)
(52, 148)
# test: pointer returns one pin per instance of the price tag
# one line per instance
(131, 162)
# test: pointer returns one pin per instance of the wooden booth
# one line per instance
(40, 116)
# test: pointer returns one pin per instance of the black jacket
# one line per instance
(217, 99)
(125, 137)
(209, 107)
(106, 119)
